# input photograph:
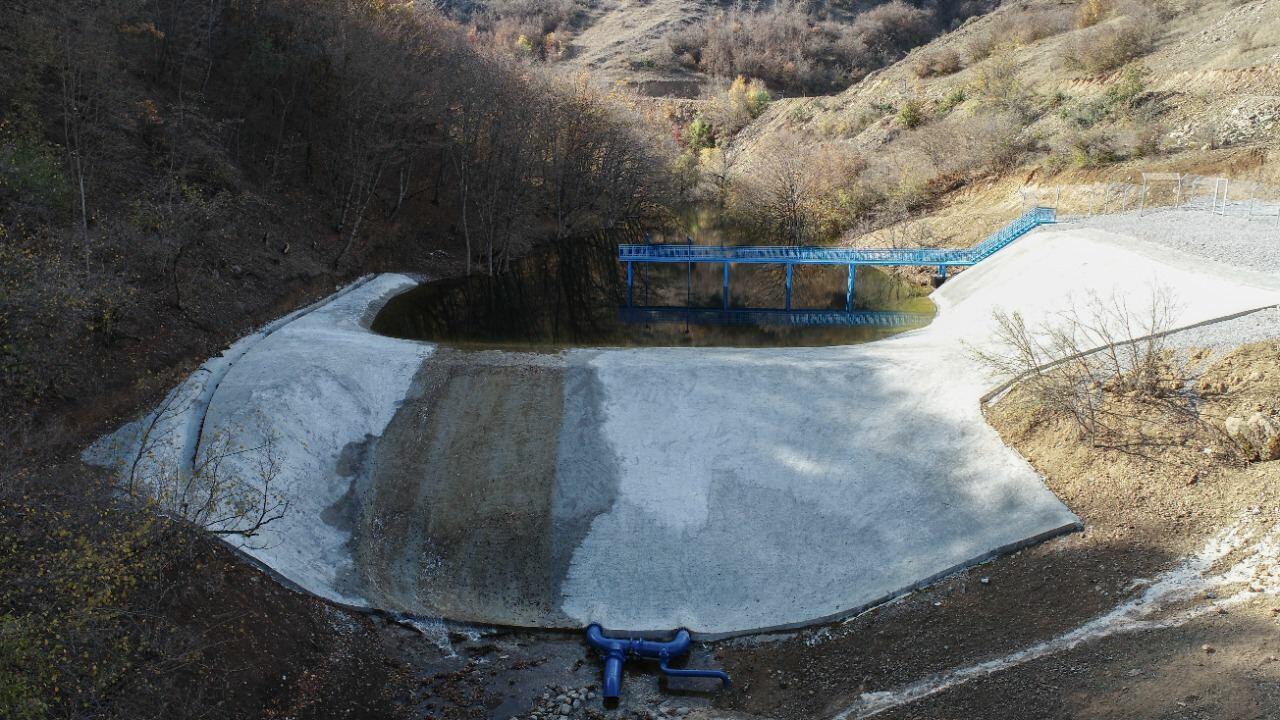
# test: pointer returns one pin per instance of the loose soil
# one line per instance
(1144, 507)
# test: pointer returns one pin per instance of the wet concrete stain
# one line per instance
(462, 516)
(353, 463)
(587, 467)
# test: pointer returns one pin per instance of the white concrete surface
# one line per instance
(314, 381)
(319, 384)
(745, 488)
(765, 488)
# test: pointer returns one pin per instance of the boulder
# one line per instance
(1257, 435)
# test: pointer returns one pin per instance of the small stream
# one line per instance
(572, 294)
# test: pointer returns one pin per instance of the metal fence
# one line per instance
(1160, 191)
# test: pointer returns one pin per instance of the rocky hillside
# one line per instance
(1041, 92)
(682, 48)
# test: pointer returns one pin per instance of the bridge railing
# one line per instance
(1021, 226)
(775, 316)
(667, 252)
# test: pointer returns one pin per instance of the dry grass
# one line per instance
(938, 63)
(1105, 48)
(1092, 12)
(1019, 28)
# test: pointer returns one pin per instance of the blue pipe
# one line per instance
(616, 651)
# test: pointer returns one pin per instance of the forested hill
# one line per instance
(172, 173)
(174, 170)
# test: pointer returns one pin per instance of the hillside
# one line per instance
(684, 48)
(1027, 95)
(179, 179)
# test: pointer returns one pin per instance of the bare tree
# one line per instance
(1105, 347)
(228, 488)
(83, 61)
(782, 190)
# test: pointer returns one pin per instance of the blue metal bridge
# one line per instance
(773, 316)
(791, 256)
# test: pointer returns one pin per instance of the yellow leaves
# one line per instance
(1092, 12)
(147, 30)
(149, 114)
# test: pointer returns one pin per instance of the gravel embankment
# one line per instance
(1247, 243)
(1228, 334)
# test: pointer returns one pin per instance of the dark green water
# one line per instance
(570, 295)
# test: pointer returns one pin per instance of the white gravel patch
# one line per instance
(1251, 244)
(1222, 337)
(1247, 247)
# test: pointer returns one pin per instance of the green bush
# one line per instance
(951, 101)
(699, 134)
(757, 101)
(1119, 100)
(1091, 149)
(911, 115)
(733, 108)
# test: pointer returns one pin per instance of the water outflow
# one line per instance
(617, 650)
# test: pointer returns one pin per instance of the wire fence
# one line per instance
(1160, 191)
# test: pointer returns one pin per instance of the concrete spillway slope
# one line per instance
(723, 490)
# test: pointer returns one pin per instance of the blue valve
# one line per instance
(616, 651)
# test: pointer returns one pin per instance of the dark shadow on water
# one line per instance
(575, 294)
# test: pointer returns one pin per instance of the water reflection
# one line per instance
(574, 294)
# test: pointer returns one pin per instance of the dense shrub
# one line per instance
(911, 114)
(997, 87)
(1091, 12)
(952, 100)
(733, 107)
(1105, 48)
(974, 145)
(1019, 27)
(698, 135)
(1089, 148)
(793, 48)
(1124, 99)
(938, 63)
(539, 29)
(799, 192)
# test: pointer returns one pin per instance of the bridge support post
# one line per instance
(788, 286)
(942, 272)
(725, 296)
(630, 285)
(848, 293)
(688, 288)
